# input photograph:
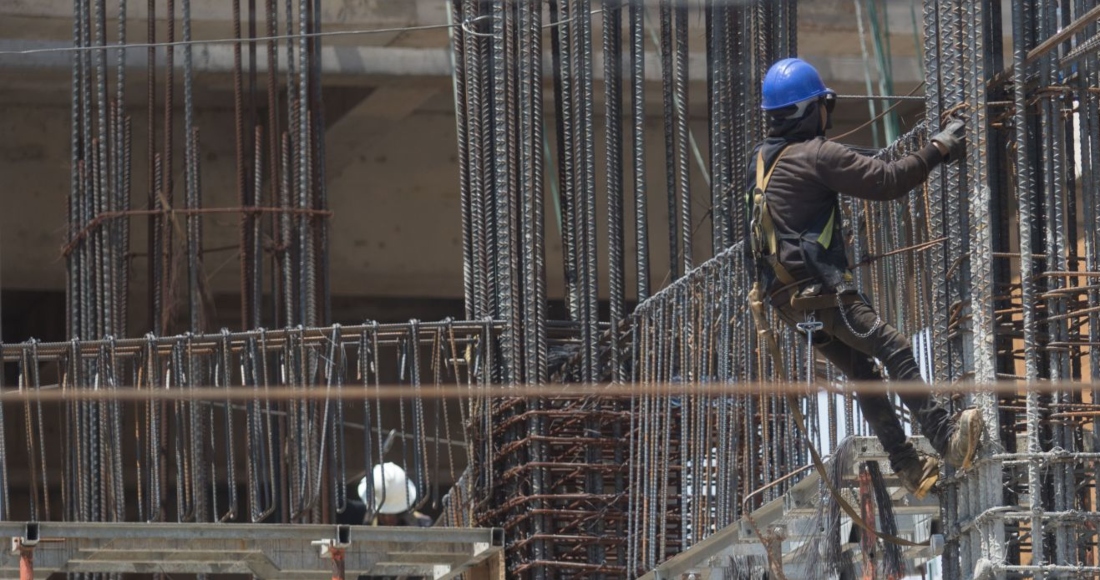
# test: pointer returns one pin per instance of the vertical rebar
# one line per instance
(638, 161)
(245, 230)
(612, 49)
(153, 244)
(667, 74)
(680, 96)
(193, 199)
(164, 224)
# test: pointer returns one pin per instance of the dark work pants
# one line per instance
(853, 356)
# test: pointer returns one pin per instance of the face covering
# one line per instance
(803, 128)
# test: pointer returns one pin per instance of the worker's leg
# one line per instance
(876, 407)
(888, 345)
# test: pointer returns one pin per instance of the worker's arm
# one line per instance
(850, 173)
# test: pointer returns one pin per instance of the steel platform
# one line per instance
(267, 551)
(791, 517)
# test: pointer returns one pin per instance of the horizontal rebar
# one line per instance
(54, 393)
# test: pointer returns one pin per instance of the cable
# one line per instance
(879, 116)
(277, 37)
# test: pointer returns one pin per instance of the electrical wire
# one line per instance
(879, 116)
(277, 37)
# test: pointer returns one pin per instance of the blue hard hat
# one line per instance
(791, 81)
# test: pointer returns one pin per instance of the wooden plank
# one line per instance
(491, 568)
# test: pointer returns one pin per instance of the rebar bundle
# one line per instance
(264, 459)
(986, 267)
(281, 213)
(280, 182)
(555, 472)
(983, 281)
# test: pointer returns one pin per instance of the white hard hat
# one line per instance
(393, 492)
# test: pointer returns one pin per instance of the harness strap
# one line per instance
(766, 240)
(771, 255)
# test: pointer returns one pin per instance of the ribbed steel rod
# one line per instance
(613, 143)
(638, 159)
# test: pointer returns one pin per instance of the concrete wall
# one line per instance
(396, 229)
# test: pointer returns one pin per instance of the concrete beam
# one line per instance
(372, 118)
(261, 550)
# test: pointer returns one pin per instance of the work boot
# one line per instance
(919, 475)
(963, 442)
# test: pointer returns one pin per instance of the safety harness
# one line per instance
(765, 240)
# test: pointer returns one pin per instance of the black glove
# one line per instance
(953, 138)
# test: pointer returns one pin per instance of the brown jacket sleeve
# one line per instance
(850, 173)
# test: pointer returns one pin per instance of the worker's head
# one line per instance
(393, 492)
(796, 99)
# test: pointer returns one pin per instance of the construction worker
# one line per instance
(796, 240)
(394, 496)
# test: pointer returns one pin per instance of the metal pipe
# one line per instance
(337, 555)
(26, 561)
(1064, 34)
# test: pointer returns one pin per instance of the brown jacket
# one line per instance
(809, 176)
